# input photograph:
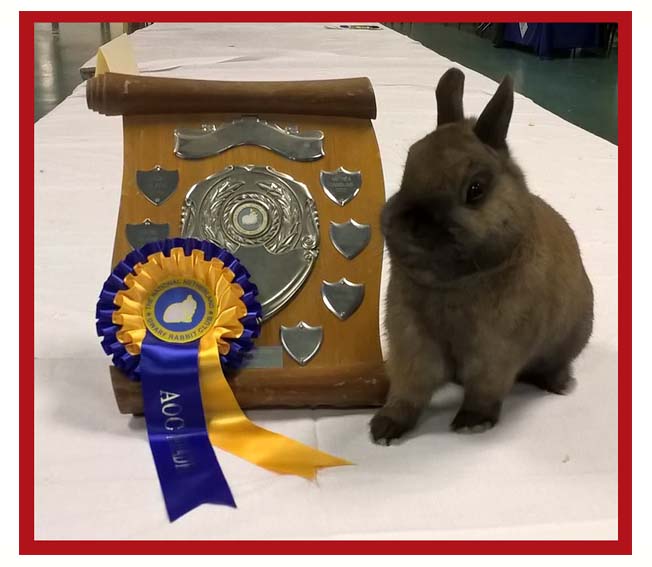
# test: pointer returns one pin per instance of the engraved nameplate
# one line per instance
(157, 184)
(140, 234)
(342, 298)
(341, 185)
(302, 341)
(264, 357)
(350, 238)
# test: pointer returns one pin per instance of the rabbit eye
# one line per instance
(475, 192)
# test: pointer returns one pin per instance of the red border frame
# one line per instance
(27, 543)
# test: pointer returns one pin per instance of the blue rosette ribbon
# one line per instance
(167, 310)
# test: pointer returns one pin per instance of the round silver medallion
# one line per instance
(267, 219)
(250, 219)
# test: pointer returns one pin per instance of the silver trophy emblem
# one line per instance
(350, 238)
(343, 297)
(341, 185)
(211, 140)
(140, 234)
(302, 341)
(266, 219)
(157, 184)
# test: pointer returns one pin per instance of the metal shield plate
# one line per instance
(267, 219)
(350, 238)
(211, 140)
(157, 184)
(341, 185)
(302, 341)
(140, 234)
(342, 298)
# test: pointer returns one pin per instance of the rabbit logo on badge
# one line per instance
(250, 219)
(181, 312)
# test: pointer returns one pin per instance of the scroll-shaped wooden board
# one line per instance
(288, 177)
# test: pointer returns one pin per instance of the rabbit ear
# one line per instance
(449, 97)
(493, 123)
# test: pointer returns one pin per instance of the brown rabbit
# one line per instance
(487, 285)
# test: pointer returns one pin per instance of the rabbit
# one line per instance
(486, 283)
(181, 312)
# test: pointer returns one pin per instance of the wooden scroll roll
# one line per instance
(347, 370)
(114, 94)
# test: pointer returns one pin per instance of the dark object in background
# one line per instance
(546, 39)
(498, 31)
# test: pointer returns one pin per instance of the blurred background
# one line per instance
(569, 69)
(60, 51)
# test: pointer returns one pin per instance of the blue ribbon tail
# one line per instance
(186, 464)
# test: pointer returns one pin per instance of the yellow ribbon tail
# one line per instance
(231, 430)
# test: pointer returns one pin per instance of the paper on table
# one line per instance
(117, 56)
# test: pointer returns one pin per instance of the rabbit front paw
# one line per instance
(392, 421)
(469, 421)
(557, 382)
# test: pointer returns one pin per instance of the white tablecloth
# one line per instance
(549, 470)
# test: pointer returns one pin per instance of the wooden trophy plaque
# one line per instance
(287, 176)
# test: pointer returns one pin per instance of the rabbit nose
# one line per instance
(442, 230)
(440, 210)
(439, 217)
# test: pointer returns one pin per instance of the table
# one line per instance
(549, 470)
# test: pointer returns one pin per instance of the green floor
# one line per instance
(58, 56)
(582, 90)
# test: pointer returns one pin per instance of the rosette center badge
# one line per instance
(180, 310)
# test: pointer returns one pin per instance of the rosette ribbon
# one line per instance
(173, 314)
